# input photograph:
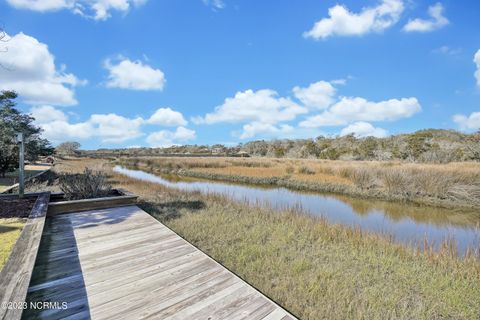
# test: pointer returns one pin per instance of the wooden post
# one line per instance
(21, 166)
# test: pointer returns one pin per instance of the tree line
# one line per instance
(12, 121)
(430, 145)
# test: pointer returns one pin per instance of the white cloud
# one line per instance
(261, 110)
(437, 20)
(342, 22)
(476, 59)
(262, 106)
(45, 114)
(167, 117)
(108, 128)
(166, 138)
(216, 4)
(114, 128)
(258, 128)
(95, 9)
(134, 75)
(364, 129)
(351, 109)
(472, 122)
(318, 95)
(29, 68)
(56, 127)
(264, 113)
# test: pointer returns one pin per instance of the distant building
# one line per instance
(218, 150)
(242, 154)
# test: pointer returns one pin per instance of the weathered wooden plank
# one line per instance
(63, 207)
(277, 314)
(15, 275)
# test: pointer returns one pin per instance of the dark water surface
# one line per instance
(407, 223)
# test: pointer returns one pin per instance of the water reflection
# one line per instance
(407, 223)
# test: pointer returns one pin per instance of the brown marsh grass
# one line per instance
(449, 185)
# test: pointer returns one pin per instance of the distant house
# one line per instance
(242, 154)
(218, 150)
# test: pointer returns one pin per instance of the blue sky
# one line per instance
(120, 73)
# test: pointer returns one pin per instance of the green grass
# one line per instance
(10, 229)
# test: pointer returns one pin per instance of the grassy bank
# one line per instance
(10, 230)
(452, 185)
(314, 269)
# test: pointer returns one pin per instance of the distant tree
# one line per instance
(418, 143)
(367, 148)
(67, 148)
(13, 121)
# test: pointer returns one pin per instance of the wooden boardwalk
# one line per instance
(121, 263)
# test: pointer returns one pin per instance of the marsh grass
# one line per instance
(451, 185)
(315, 269)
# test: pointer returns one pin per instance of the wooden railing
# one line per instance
(16, 273)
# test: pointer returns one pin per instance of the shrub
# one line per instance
(86, 185)
(433, 184)
(397, 181)
(362, 178)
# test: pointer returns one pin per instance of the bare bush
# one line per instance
(432, 184)
(397, 181)
(86, 185)
(362, 178)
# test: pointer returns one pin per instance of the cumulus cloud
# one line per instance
(262, 106)
(133, 75)
(166, 138)
(467, 123)
(45, 114)
(114, 128)
(261, 110)
(95, 9)
(364, 129)
(167, 117)
(250, 130)
(342, 22)
(351, 109)
(436, 21)
(476, 59)
(108, 128)
(29, 68)
(318, 95)
(265, 113)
